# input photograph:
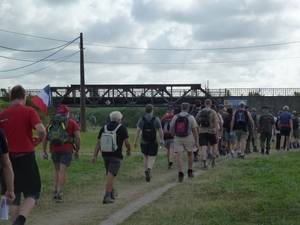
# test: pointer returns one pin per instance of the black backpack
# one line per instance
(277, 124)
(195, 112)
(149, 130)
(182, 126)
(295, 123)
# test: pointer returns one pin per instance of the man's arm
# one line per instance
(8, 177)
(44, 145)
(77, 143)
(161, 136)
(96, 151)
(137, 133)
(128, 146)
(196, 136)
(232, 122)
(41, 133)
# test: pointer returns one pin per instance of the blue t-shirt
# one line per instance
(284, 118)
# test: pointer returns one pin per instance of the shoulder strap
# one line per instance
(152, 119)
(105, 128)
(115, 130)
(144, 119)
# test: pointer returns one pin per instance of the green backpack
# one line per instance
(57, 130)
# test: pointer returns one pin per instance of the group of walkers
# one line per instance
(212, 129)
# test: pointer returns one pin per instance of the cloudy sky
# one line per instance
(226, 43)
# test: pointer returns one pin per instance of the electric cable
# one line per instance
(3, 78)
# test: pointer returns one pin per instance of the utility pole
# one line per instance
(82, 88)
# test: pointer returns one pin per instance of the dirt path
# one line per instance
(88, 208)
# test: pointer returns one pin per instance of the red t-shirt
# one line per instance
(18, 122)
(72, 127)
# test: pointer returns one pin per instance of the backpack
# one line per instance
(295, 123)
(57, 130)
(227, 121)
(204, 118)
(149, 130)
(182, 125)
(277, 124)
(240, 117)
(109, 140)
(195, 112)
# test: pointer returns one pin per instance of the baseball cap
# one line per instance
(253, 110)
(242, 103)
(170, 107)
(149, 107)
(265, 107)
(63, 109)
(221, 106)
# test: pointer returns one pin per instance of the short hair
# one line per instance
(285, 108)
(208, 102)
(17, 92)
(185, 106)
(229, 111)
(115, 116)
(198, 103)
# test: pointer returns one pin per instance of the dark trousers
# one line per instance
(278, 141)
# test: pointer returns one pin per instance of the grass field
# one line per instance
(258, 190)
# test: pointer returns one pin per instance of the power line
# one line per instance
(21, 50)
(3, 78)
(165, 49)
(22, 67)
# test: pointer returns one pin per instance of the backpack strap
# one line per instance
(105, 128)
(152, 119)
(115, 130)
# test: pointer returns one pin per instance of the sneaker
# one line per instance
(242, 157)
(107, 200)
(282, 148)
(113, 194)
(190, 174)
(239, 154)
(147, 173)
(180, 177)
(229, 155)
(59, 198)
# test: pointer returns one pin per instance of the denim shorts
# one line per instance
(230, 137)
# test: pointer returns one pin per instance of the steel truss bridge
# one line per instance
(157, 94)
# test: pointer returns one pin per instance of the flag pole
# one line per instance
(82, 88)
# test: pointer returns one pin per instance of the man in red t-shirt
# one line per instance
(18, 122)
(168, 138)
(63, 155)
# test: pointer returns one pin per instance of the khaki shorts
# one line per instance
(183, 145)
(169, 143)
(241, 135)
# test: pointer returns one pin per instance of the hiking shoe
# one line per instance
(205, 167)
(113, 194)
(242, 157)
(190, 174)
(107, 200)
(147, 173)
(54, 194)
(180, 177)
(267, 152)
(59, 198)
